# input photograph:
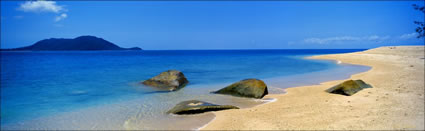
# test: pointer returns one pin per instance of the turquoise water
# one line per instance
(101, 90)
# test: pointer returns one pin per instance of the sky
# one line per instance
(187, 25)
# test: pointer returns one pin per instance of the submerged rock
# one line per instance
(196, 107)
(170, 80)
(252, 88)
(349, 87)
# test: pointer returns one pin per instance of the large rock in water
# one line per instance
(252, 88)
(170, 80)
(196, 107)
(349, 87)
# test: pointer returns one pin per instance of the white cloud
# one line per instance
(345, 39)
(363, 39)
(408, 36)
(44, 6)
(373, 37)
(61, 17)
(41, 6)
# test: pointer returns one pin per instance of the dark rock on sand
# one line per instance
(252, 88)
(196, 107)
(349, 87)
(170, 80)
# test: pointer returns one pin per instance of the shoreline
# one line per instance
(267, 101)
(273, 99)
(315, 79)
(99, 110)
(283, 92)
(318, 109)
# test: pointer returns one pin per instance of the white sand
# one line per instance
(395, 102)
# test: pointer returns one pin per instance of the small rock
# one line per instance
(170, 80)
(349, 87)
(252, 88)
(196, 107)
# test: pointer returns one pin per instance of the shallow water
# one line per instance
(100, 90)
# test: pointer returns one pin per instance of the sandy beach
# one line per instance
(396, 100)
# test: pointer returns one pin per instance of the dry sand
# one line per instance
(396, 100)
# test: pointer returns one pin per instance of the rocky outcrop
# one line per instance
(252, 88)
(196, 107)
(349, 87)
(170, 80)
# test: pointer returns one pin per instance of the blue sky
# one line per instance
(173, 25)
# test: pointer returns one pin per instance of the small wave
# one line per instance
(266, 100)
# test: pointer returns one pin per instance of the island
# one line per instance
(82, 43)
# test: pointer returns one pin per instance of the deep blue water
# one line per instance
(37, 84)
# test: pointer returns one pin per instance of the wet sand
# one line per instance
(396, 100)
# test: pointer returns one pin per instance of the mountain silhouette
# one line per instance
(79, 43)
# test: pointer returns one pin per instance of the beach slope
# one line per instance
(396, 100)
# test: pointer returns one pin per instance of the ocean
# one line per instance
(102, 90)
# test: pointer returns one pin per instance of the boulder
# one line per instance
(252, 88)
(349, 87)
(170, 80)
(196, 107)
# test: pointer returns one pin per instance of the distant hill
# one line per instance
(79, 43)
